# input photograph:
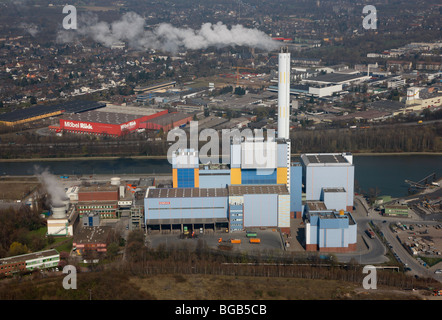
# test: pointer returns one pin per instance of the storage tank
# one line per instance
(115, 181)
(59, 211)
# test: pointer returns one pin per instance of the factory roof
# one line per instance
(29, 256)
(157, 86)
(169, 118)
(39, 110)
(333, 189)
(316, 205)
(103, 117)
(257, 189)
(334, 78)
(367, 114)
(319, 210)
(98, 188)
(385, 105)
(130, 110)
(325, 159)
(186, 192)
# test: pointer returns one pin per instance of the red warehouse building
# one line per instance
(104, 123)
(167, 121)
(102, 199)
(98, 193)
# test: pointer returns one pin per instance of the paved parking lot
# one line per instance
(270, 239)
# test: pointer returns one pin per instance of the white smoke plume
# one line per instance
(52, 185)
(31, 28)
(165, 37)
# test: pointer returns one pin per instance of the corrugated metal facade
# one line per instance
(296, 189)
(284, 211)
(214, 178)
(335, 200)
(260, 210)
(317, 178)
(179, 209)
(334, 233)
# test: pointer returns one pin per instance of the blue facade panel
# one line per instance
(186, 208)
(186, 178)
(331, 238)
(333, 223)
(335, 200)
(214, 178)
(258, 176)
(296, 188)
(260, 210)
(319, 177)
(313, 234)
(281, 157)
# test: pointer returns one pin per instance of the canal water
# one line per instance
(386, 173)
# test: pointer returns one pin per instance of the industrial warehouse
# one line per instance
(98, 118)
(38, 112)
(113, 120)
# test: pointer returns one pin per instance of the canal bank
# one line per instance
(383, 174)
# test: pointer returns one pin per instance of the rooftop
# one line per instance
(103, 117)
(38, 110)
(130, 110)
(186, 192)
(333, 189)
(325, 159)
(169, 118)
(334, 78)
(29, 256)
(316, 205)
(257, 189)
(98, 188)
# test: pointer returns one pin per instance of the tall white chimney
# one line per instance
(284, 94)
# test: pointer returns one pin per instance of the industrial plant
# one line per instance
(258, 187)
(247, 193)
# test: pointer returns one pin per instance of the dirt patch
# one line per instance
(209, 287)
(15, 189)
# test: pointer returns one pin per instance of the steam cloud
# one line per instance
(53, 187)
(31, 28)
(165, 37)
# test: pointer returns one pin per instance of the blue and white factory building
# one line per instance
(246, 192)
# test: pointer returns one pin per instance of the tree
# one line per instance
(112, 250)
(240, 91)
(17, 248)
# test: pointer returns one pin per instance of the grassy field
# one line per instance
(116, 285)
(208, 287)
(12, 188)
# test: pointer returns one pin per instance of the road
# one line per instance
(375, 253)
(396, 247)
